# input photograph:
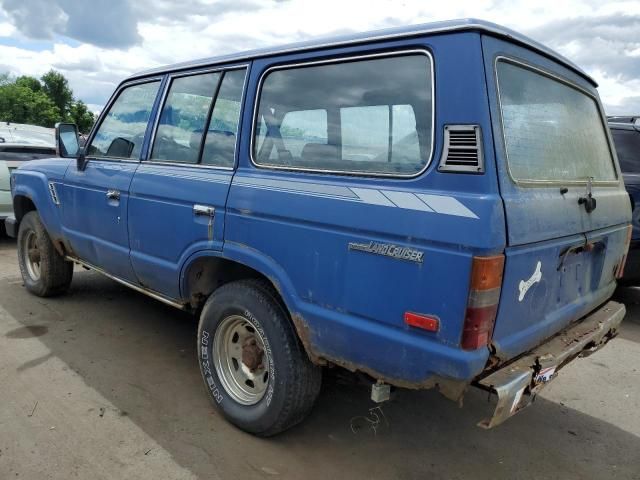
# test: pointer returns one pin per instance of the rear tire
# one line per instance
(253, 365)
(44, 271)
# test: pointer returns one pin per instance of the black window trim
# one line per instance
(603, 120)
(105, 112)
(163, 99)
(345, 59)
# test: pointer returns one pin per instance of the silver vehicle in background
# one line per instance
(20, 143)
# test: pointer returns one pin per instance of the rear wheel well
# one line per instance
(207, 274)
(21, 206)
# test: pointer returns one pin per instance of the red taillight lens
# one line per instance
(482, 305)
(620, 271)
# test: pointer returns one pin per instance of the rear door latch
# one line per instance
(588, 201)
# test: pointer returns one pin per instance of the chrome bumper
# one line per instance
(517, 383)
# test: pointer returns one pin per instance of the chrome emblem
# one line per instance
(389, 250)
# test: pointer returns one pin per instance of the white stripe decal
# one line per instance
(446, 205)
(374, 197)
(406, 200)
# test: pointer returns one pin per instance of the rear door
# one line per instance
(565, 205)
(178, 194)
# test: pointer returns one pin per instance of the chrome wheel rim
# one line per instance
(241, 360)
(32, 255)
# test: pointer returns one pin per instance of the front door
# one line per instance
(178, 196)
(94, 200)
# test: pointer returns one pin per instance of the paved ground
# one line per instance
(103, 383)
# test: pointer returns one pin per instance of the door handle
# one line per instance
(113, 194)
(204, 210)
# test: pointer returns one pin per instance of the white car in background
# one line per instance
(20, 143)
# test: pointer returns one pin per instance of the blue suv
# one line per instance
(437, 206)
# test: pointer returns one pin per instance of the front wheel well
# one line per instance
(21, 206)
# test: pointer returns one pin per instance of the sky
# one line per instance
(96, 44)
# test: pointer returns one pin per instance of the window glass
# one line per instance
(405, 146)
(628, 149)
(553, 132)
(365, 133)
(369, 116)
(302, 128)
(184, 115)
(220, 144)
(121, 133)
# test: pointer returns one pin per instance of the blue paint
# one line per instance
(294, 227)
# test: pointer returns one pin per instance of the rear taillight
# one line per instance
(482, 305)
(620, 270)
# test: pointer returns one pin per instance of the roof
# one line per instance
(24, 134)
(468, 24)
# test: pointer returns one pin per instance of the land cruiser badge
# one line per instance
(525, 285)
(389, 250)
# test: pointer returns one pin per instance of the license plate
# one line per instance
(545, 375)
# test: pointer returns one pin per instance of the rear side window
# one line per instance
(552, 131)
(183, 118)
(369, 116)
(628, 149)
(220, 142)
(201, 114)
(122, 130)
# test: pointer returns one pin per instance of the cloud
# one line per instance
(112, 39)
(609, 43)
(43, 19)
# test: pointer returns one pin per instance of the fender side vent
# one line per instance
(54, 193)
(462, 150)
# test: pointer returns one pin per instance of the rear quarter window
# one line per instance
(553, 132)
(361, 116)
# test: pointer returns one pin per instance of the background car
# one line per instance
(626, 137)
(20, 143)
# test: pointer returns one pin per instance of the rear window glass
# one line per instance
(359, 116)
(628, 149)
(552, 132)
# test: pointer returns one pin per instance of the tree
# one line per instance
(81, 116)
(28, 100)
(30, 82)
(56, 86)
(20, 104)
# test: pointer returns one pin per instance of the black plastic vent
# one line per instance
(462, 149)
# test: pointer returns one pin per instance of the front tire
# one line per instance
(44, 271)
(253, 365)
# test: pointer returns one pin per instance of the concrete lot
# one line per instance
(104, 383)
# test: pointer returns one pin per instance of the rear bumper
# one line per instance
(6, 204)
(517, 383)
(11, 226)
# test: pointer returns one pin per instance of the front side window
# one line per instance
(370, 116)
(122, 130)
(552, 131)
(628, 149)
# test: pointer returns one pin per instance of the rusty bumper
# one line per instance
(517, 383)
